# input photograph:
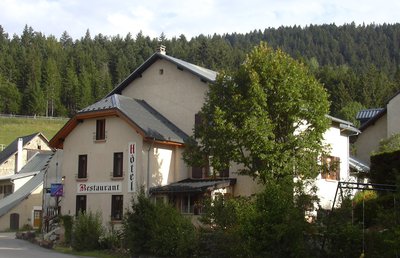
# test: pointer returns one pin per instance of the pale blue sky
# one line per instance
(191, 18)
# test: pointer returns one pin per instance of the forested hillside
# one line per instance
(44, 75)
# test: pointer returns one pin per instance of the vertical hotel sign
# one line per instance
(132, 167)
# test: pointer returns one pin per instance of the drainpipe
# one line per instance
(19, 155)
(148, 167)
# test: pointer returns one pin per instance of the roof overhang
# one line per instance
(344, 126)
(7, 177)
(23, 175)
(349, 129)
(58, 140)
(193, 186)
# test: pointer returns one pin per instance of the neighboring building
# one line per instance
(364, 115)
(15, 156)
(336, 166)
(382, 125)
(134, 138)
(24, 205)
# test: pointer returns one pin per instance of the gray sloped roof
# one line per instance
(12, 200)
(139, 112)
(12, 148)
(368, 113)
(358, 165)
(373, 119)
(35, 164)
(204, 73)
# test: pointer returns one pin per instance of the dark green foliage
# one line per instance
(390, 144)
(216, 243)
(278, 228)
(349, 111)
(86, 232)
(158, 230)
(343, 238)
(385, 168)
(373, 211)
(268, 116)
(356, 63)
(67, 222)
(10, 98)
(270, 224)
(224, 236)
(111, 240)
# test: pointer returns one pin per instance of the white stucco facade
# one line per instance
(178, 94)
(155, 164)
(338, 146)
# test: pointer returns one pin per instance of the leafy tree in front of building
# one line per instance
(269, 116)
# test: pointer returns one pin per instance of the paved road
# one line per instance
(16, 248)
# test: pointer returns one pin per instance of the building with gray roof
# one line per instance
(17, 208)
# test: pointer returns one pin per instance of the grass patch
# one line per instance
(95, 253)
(13, 127)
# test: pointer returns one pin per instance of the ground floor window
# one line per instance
(191, 204)
(80, 204)
(117, 207)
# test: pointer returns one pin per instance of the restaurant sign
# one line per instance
(103, 187)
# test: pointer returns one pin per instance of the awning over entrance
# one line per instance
(193, 186)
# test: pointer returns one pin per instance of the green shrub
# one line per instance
(278, 227)
(225, 216)
(158, 230)
(67, 222)
(385, 168)
(111, 240)
(86, 231)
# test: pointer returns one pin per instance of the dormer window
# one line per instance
(100, 129)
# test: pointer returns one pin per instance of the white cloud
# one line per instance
(190, 17)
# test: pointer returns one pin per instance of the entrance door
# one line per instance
(37, 217)
(14, 221)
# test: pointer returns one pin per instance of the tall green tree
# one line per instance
(10, 98)
(349, 112)
(268, 116)
(51, 84)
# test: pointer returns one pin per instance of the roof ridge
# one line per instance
(205, 74)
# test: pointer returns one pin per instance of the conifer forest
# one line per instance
(359, 65)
